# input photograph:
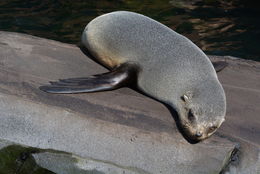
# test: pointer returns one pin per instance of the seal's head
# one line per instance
(202, 111)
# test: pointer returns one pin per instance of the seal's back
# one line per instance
(165, 56)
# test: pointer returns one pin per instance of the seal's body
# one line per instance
(164, 64)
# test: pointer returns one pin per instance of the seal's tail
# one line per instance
(117, 78)
(219, 65)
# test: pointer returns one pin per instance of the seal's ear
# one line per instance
(219, 65)
(186, 97)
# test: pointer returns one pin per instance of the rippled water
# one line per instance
(221, 27)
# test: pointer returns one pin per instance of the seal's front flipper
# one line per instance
(219, 65)
(117, 78)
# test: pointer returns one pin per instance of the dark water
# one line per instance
(221, 27)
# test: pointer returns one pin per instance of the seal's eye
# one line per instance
(191, 116)
(212, 129)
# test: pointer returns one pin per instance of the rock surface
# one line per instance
(118, 131)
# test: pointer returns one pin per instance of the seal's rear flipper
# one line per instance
(117, 78)
(219, 65)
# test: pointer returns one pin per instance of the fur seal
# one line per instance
(162, 63)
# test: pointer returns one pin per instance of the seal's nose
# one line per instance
(198, 134)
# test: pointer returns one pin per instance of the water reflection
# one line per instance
(217, 26)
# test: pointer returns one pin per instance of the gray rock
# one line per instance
(67, 164)
(16, 158)
(120, 128)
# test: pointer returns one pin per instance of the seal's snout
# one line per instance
(196, 138)
(192, 135)
(198, 134)
(195, 132)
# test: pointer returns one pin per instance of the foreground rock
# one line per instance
(118, 131)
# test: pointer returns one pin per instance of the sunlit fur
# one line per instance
(170, 65)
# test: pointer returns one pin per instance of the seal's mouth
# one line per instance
(191, 138)
(191, 135)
